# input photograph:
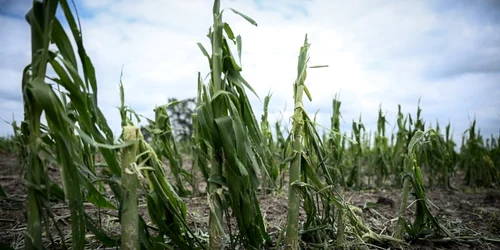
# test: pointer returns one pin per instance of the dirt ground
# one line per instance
(473, 215)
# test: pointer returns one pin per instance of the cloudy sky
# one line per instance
(379, 53)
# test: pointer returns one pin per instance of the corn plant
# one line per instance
(75, 110)
(39, 97)
(414, 125)
(129, 219)
(493, 147)
(357, 152)
(227, 124)
(479, 168)
(413, 176)
(437, 158)
(381, 162)
(399, 148)
(451, 157)
(280, 139)
(8, 145)
(281, 144)
(296, 137)
(165, 208)
(270, 170)
(57, 143)
(200, 147)
(305, 155)
(164, 143)
(336, 145)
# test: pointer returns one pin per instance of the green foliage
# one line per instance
(479, 168)
(336, 146)
(381, 154)
(234, 154)
(76, 132)
(271, 169)
(165, 145)
(298, 130)
(8, 145)
(226, 124)
(425, 223)
(357, 150)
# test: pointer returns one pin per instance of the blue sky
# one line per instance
(379, 53)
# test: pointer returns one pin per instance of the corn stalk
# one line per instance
(129, 219)
(299, 87)
(336, 144)
(227, 124)
(39, 97)
(381, 151)
(305, 148)
(413, 176)
(165, 145)
(479, 168)
(271, 169)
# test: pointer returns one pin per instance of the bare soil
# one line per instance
(466, 212)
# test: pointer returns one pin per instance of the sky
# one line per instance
(380, 54)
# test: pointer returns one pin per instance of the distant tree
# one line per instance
(147, 135)
(180, 117)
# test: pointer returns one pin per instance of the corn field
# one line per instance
(138, 193)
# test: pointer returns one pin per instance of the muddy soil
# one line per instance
(468, 213)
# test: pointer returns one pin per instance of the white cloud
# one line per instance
(377, 52)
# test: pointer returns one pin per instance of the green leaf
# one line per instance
(96, 198)
(205, 53)
(249, 19)
(229, 56)
(229, 31)
(236, 77)
(306, 90)
(416, 138)
(318, 66)
(238, 46)
(100, 234)
(219, 179)
(62, 42)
